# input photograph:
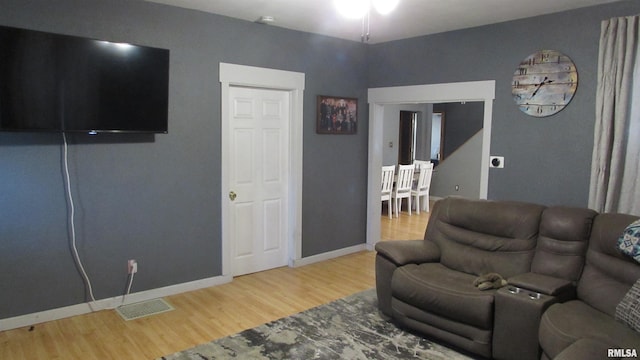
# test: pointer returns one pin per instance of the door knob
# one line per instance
(232, 195)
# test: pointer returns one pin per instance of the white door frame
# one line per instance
(420, 94)
(293, 82)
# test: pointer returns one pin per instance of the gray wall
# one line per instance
(158, 199)
(547, 159)
(461, 122)
(459, 174)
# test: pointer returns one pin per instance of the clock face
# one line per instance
(544, 83)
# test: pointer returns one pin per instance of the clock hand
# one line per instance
(545, 81)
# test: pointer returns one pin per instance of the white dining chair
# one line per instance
(402, 189)
(388, 173)
(419, 163)
(421, 187)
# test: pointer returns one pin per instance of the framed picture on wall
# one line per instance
(337, 115)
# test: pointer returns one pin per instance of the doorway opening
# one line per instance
(437, 136)
(407, 137)
(416, 94)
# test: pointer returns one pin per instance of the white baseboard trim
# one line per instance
(112, 303)
(109, 303)
(328, 255)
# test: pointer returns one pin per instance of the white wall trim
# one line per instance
(294, 83)
(109, 303)
(328, 255)
(420, 94)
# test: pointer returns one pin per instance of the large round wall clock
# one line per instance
(544, 83)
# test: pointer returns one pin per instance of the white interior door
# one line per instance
(258, 164)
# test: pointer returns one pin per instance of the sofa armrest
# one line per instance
(544, 284)
(402, 252)
(394, 254)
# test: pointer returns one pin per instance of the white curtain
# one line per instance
(615, 186)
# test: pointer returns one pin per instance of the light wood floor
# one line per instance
(404, 227)
(206, 314)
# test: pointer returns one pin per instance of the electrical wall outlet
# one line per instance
(132, 266)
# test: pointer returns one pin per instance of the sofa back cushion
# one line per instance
(562, 242)
(481, 236)
(608, 274)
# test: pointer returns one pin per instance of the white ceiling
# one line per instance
(411, 18)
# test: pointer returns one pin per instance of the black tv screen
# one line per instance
(51, 82)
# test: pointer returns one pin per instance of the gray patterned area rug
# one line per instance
(348, 328)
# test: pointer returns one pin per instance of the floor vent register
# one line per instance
(143, 309)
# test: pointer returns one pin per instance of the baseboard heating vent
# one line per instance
(143, 309)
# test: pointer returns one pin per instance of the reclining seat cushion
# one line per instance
(479, 237)
(608, 274)
(607, 277)
(565, 323)
(433, 288)
(562, 242)
(585, 349)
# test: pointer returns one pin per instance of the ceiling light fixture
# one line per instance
(361, 9)
(385, 7)
(352, 9)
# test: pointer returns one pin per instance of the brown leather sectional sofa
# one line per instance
(565, 278)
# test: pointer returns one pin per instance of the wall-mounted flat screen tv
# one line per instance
(51, 82)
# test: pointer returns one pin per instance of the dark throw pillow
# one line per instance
(629, 241)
